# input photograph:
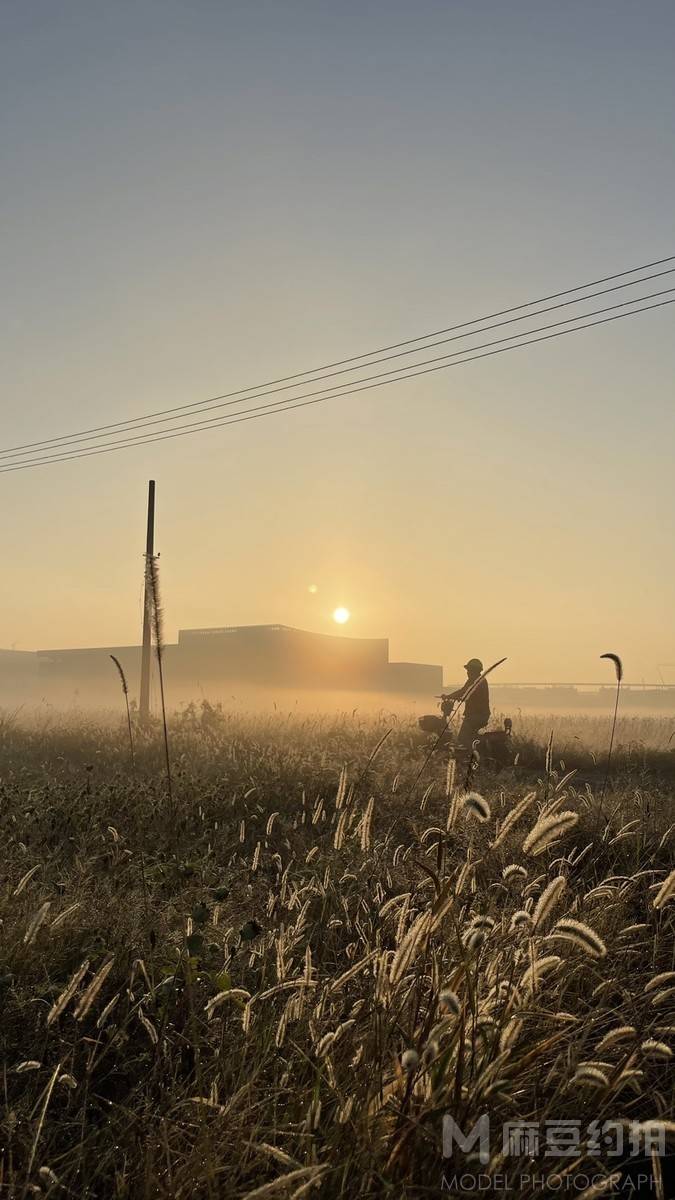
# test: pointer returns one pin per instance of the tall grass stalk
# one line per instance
(125, 693)
(158, 634)
(472, 764)
(618, 667)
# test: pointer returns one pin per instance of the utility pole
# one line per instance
(144, 705)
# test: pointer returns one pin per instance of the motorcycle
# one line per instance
(494, 746)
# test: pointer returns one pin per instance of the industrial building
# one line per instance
(261, 656)
(277, 657)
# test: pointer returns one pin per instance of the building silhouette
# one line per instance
(261, 656)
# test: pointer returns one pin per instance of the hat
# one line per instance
(474, 664)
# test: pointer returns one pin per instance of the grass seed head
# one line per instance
(548, 900)
(120, 671)
(477, 806)
(474, 939)
(520, 921)
(548, 830)
(514, 874)
(580, 935)
(512, 819)
(410, 1060)
(450, 1002)
(651, 1048)
(657, 981)
(618, 665)
(68, 992)
(37, 921)
(666, 891)
(620, 1033)
(587, 1075)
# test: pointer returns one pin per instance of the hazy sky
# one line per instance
(203, 195)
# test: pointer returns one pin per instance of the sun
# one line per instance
(341, 615)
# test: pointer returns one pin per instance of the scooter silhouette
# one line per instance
(494, 745)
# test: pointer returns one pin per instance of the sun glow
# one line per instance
(341, 615)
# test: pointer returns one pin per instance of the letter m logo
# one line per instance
(454, 1136)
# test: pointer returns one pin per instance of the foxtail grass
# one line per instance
(125, 693)
(581, 935)
(666, 891)
(618, 668)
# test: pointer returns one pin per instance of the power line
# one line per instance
(22, 454)
(136, 423)
(46, 457)
(273, 408)
(274, 385)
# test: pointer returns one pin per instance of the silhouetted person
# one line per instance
(476, 704)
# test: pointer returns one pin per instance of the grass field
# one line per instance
(277, 981)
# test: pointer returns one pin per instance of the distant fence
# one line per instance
(588, 687)
(657, 696)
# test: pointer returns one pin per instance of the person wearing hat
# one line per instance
(476, 696)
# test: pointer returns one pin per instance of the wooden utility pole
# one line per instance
(144, 704)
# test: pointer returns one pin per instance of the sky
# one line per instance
(199, 197)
